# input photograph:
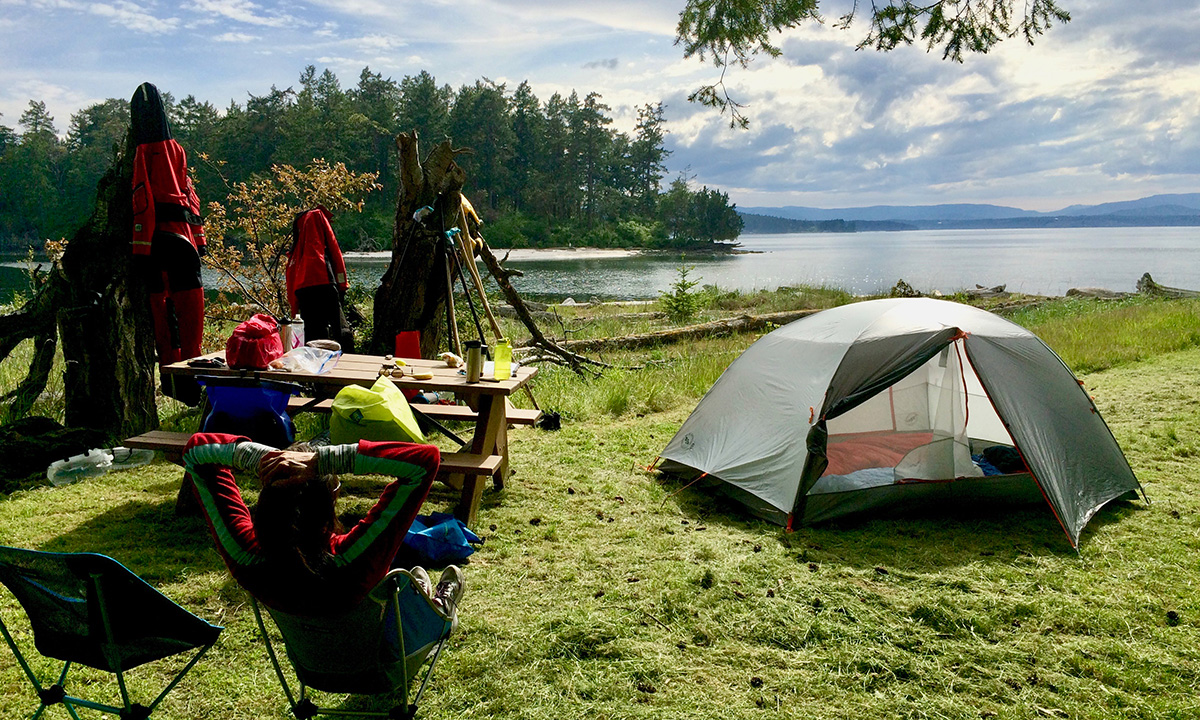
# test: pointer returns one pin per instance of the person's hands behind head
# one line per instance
(287, 467)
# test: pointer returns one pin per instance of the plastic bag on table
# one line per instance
(308, 359)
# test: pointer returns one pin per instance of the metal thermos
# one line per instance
(474, 360)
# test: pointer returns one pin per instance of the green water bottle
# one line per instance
(502, 362)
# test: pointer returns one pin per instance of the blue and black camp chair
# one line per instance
(372, 649)
(90, 609)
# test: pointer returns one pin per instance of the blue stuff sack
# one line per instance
(254, 408)
(437, 540)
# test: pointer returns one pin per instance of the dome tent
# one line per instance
(888, 405)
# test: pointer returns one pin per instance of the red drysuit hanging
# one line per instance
(316, 278)
(167, 231)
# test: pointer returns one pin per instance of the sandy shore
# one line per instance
(523, 254)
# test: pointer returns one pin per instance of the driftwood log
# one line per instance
(1147, 286)
(716, 328)
(1097, 293)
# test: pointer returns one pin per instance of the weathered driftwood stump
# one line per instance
(1147, 286)
(104, 320)
(100, 308)
(413, 292)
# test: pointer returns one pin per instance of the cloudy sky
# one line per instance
(1104, 108)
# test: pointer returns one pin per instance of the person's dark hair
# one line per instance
(293, 522)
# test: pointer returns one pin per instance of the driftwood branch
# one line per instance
(580, 364)
(716, 328)
(36, 317)
(35, 320)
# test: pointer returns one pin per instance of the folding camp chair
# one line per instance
(364, 651)
(89, 609)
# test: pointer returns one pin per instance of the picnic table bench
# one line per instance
(484, 455)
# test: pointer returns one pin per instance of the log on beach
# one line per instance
(716, 328)
(1098, 293)
(1147, 286)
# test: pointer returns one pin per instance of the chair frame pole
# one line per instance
(262, 629)
(21, 659)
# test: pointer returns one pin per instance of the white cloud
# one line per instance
(130, 15)
(244, 11)
(236, 37)
(1110, 100)
(376, 42)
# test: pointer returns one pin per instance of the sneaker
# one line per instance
(422, 579)
(449, 590)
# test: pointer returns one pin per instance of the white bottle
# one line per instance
(124, 458)
(77, 467)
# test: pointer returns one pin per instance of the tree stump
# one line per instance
(104, 316)
(413, 292)
(101, 309)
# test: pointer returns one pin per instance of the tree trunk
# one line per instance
(412, 294)
(104, 317)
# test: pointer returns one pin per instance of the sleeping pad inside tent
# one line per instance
(887, 406)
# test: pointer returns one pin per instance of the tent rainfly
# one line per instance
(891, 405)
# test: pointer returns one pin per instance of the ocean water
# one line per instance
(1041, 261)
(1036, 261)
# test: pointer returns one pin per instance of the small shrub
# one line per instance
(683, 302)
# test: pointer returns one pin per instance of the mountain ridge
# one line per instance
(1154, 210)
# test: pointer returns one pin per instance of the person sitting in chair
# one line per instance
(293, 554)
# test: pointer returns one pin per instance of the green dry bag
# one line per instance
(379, 412)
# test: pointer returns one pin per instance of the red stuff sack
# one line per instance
(254, 344)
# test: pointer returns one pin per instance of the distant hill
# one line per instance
(897, 213)
(762, 224)
(1156, 210)
(1188, 204)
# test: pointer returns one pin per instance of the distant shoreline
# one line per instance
(548, 254)
(526, 254)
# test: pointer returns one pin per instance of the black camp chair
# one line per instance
(363, 651)
(90, 609)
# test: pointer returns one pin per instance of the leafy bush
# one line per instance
(632, 233)
(518, 230)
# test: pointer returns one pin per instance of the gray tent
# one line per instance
(889, 405)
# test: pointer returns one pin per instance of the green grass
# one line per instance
(603, 591)
(1093, 335)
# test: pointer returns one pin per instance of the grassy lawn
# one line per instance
(604, 591)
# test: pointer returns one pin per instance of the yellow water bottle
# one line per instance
(502, 362)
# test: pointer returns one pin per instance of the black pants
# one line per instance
(321, 310)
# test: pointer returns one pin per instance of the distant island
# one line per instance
(1153, 211)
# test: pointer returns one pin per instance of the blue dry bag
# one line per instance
(439, 539)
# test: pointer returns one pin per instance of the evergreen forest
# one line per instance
(552, 173)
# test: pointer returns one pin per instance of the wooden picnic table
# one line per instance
(485, 454)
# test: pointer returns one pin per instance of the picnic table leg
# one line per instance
(491, 434)
(186, 504)
(490, 438)
(472, 495)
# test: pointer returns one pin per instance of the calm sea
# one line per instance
(1047, 262)
(1043, 261)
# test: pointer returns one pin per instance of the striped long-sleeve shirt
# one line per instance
(361, 556)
